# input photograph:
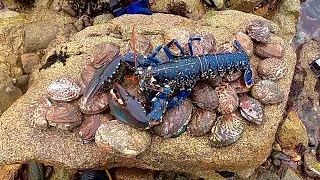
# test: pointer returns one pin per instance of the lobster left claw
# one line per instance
(127, 109)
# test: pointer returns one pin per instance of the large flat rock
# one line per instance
(20, 142)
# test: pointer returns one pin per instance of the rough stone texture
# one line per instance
(61, 173)
(133, 174)
(29, 60)
(9, 172)
(292, 132)
(20, 142)
(244, 5)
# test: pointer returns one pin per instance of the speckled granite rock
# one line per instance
(20, 142)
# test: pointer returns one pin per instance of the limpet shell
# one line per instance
(204, 96)
(267, 92)
(63, 89)
(175, 121)
(91, 124)
(97, 104)
(272, 68)
(251, 109)
(116, 137)
(103, 53)
(64, 116)
(228, 99)
(226, 130)
(38, 110)
(201, 122)
(259, 30)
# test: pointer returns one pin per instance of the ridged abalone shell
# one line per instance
(272, 68)
(64, 116)
(38, 110)
(104, 53)
(267, 92)
(97, 104)
(175, 120)
(86, 76)
(226, 130)
(228, 98)
(63, 89)
(201, 122)
(204, 96)
(251, 109)
(259, 30)
(117, 137)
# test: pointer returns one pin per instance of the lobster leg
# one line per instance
(168, 52)
(152, 56)
(248, 77)
(190, 43)
(177, 100)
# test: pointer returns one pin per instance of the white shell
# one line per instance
(63, 89)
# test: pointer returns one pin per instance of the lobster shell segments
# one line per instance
(226, 130)
(174, 121)
(63, 89)
(201, 122)
(64, 116)
(97, 104)
(104, 53)
(116, 137)
(251, 109)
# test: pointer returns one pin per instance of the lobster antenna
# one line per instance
(134, 46)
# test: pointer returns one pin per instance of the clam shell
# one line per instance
(267, 92)
(63, 89)
(259, 30)
(201, 122)
(91, 124)
(86, 76)
(103, 53)
(228, 99)
(38, 110)
(143, 45)
(174, 121)
(226, 130)
(116, 137)
(97, 104)
(272, 68)
(64, 116)
(204, 96)
(251, 109)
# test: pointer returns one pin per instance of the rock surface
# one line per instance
(123, 173)
(20, 142)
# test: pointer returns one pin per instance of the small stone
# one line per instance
(263, 174)
(101, 19)
(8, 90)
(291, 174)
(28, 61)
(219, 4)
(276, 162)
(15, 72)
(290, 152)
(311, 165)
(124, 173)
(22, 81)
(276, 147)
(244, 5)
(269, 50)
(14, 81)
(292, 132)
(267, 92)
(228, 99)
(259, 30)
(239, 86)
(104, 53)
(272, 68)
(245, 42)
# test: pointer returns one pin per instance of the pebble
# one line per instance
(29, 60)
(272, 68)
(22, 81)
(8, 90)
(269, 50)
(276, 147)
(276, 162)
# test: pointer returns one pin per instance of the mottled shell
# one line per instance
(64, 116)
(226, 130)
(38, 110)
(259, 30)
(233, 76)
(272, 68)
(175, 120)
(91, 124)
(226, 47)
(97, 104)
(251, 109)
(142, 44)
(201, 122)
(214, 80)
(269, 50)
(86, 76)
(206, 45)
(63, 89)
(267, 92)
(245, 42)
(239, 86)
(103, 53)
(116, 137)
(204, 96)
(228, 99)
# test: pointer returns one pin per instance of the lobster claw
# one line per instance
(127, 109)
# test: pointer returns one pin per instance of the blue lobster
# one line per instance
(179, 73)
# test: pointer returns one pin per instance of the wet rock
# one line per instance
(205, 97)
(251, 110)
(289, 173)
(101, 19)
(267, 92)
(259, 30)
(104, 53)
(239, 86)
(86, 76)
(114, 136)
(269, 50)
(201, 122)
(38, 111)
(206, 45)
(123, 173)
(244, 5)
(141, 44)
(10, 172)
(28, 61)
(272, 68)
(21, 81)
(292, 132)
(63, 89)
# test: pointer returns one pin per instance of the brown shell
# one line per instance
(245, 42)
(175, 120)
(259, 30)
(239, 86)
(97, 104)
(134, 90)
(91, 124)
(86, 76)
(228, 99)
(214, 80)
(64, 116)
(204, 96)
(269, 50)
(38, 110)
(267, 92)
(232, 77)
(116, 137)
(143, 45)
(272, 68)
(251, 109)
(226, 130)
(201, 122)
(103, 53)
(206, 45)
(63, 89)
